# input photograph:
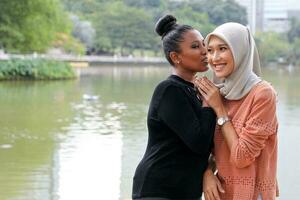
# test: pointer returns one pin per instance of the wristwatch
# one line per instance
(222, 120)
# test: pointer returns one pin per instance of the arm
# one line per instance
(176, 111)
(260, 124)
(212, 95)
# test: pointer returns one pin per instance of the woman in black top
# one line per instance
(180, 125)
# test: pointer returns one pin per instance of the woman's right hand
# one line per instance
(211, 94)
(211, 186)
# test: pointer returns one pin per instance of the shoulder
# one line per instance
(167, 88)
(167, 85)
(264, 91)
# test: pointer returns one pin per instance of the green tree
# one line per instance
(143, 3)
(83, 8)
(220, 11)
(294, 31)
(195, 19)
(123, 28)
(272, 47)
(127, 25)
(30, 25)
(294, 54)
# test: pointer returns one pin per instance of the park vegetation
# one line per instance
(35, 69)
(124, 27)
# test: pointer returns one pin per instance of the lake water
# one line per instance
(82, 139)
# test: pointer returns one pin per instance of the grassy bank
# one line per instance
(35, 69)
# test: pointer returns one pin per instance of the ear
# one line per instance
(175, 57)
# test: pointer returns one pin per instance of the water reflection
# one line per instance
(89, 158)
(28, 113)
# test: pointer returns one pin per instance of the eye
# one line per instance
(194, 46)
(223, 48)
(209, 50)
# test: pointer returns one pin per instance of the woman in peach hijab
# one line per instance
(245, 141)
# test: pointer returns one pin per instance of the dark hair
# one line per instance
(171, 33)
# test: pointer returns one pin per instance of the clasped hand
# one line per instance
(209, 92)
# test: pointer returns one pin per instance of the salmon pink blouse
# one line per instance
(248, 169)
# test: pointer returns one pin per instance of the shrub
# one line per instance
(35, 69)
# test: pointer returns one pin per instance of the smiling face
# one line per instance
(193, 56)
(220, 57)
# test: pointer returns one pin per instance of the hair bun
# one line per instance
(165, 24)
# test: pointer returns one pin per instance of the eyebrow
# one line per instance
(223, 44)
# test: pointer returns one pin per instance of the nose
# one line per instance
(215, 56)
(204, 51)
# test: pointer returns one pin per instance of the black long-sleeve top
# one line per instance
(179, 143)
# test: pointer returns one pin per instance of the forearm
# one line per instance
(228, 131)
(229, 134)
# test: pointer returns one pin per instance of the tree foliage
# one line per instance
(128, 25)
(30, 25)
(123, 28)
(272, 47)
(197, 20)
(83, 30)
(294, 31)
(220, 11)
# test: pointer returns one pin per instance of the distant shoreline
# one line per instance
(93, 60)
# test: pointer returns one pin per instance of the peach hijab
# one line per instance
(246, 60)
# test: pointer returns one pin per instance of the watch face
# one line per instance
(220, 121)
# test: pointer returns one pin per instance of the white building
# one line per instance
(275, 16)
(255, 13)
(270, 15)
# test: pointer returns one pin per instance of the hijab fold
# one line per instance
(246, 61)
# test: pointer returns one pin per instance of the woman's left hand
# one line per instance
(212, 186)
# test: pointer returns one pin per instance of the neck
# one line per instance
(185, 75)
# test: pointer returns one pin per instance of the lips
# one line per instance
(219, 67)
(204, 60)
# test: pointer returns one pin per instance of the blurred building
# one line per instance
(275, 16)
(270, 15)
(255, 13)
(294, 14)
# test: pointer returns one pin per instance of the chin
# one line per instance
(219, 75)
(203, 69)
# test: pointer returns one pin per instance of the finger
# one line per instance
(208, 82)
(206, 196)
(203, 87)
(208, 85)
(219, 185)
(197, 81)
(211, 195)
(203, 94)
(215, 194)
(211, 89)
(200, 92)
